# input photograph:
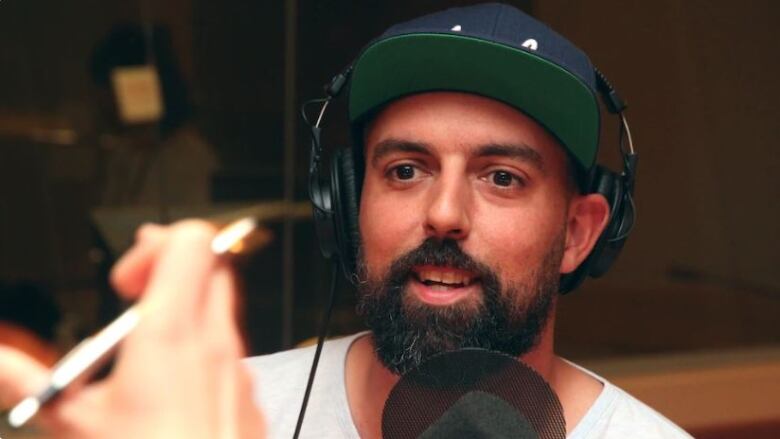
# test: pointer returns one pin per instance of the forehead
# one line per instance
(453, 120)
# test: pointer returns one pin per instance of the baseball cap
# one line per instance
(493, 50)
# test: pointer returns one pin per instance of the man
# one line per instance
(475, 127)
(469, 157)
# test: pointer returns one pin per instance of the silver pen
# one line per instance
(94, 351)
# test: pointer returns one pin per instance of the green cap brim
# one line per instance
(416, 63)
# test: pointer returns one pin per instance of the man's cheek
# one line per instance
(382, 245)
(377, 259)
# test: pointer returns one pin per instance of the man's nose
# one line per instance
(448, 215)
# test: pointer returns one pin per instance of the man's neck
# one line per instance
(369, 384)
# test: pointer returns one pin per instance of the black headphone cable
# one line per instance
(323, 332)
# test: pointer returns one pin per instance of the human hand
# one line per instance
(179, 373)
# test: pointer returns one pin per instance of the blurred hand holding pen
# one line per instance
(163, 257)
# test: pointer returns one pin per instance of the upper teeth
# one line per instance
(444, 276)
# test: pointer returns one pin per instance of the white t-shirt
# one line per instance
(280, 380)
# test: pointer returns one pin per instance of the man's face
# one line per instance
(463, 222)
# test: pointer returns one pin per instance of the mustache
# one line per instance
(444, 252)
(507, 318)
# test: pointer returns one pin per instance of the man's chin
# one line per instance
(437, 299)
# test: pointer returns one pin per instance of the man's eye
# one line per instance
(404, 172)
(503, 178)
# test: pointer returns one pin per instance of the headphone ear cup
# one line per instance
(610, 185)
(615, 234)
(322, 211)
(605, 251)
(345, 203)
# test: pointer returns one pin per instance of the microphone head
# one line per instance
(473, 393)
(480, 414)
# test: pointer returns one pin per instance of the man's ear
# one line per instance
(588, 215)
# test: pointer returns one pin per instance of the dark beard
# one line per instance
(406, 331)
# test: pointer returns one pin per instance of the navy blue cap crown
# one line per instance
(491, 50)
(503, 24)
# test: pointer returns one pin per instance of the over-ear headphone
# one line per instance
(335, 196)
(618, 189)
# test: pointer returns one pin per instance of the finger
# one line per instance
(131, 273)
(220, 327)
(179, 279)
(238, 415)
(223, 301)
(235, 408)
(250, 418)
(149, 231)
(20, 376)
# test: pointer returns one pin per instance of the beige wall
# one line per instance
(701, 81)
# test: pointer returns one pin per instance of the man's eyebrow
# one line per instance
(519, 151)
(389, 146)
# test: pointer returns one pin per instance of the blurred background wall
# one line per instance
(698, 274)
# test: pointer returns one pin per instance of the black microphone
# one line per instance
(480, 414)
(472, 393)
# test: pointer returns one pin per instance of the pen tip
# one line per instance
(23, 412)
(232, 235)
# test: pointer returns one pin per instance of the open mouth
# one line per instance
(442, 278)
